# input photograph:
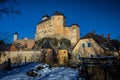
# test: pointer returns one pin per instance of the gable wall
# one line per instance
(85, 52)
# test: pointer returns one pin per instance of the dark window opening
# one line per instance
(89, 44)
(83, 45)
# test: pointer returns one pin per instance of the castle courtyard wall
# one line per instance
(21, 56)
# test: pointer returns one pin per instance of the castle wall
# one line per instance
(45, 29)
(28, 42)
(74, 34)
(67, 32)
(23, 56)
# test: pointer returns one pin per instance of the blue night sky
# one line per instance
(102, 16)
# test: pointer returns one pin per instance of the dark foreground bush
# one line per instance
(104, 72)
(6, 65)
(39, 67)
(32, 73)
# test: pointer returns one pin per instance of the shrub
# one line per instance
(32, 73)
(39, 67)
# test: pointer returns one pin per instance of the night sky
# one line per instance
(102, 16)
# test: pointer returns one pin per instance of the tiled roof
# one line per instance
(102, 41)
(13, 48)
(8, 47)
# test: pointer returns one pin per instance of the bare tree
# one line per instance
(4, 40)
(5, 37)
(1, 48)
(8, 7)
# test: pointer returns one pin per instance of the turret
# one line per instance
(15, 36)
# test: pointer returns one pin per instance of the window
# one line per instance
(91, 55)
(83, 45)
(78, 56)
(89, 44)
(64, 51)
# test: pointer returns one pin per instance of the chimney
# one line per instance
(93, 32)
(108, 36)
(102, 35)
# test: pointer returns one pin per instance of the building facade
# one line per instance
(87, 48)
(93, 45)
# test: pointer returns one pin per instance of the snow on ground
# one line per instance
(53, 73)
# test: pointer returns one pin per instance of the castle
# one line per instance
(55, 27)
(52, 27)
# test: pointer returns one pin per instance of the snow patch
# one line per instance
(53, 73)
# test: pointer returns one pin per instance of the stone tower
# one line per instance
(58, 22)
(54, 27)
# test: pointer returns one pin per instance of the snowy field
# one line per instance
(53, 73)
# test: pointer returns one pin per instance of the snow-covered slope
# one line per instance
(54, 73)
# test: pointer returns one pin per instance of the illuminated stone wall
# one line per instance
(21, 56)
(62, 56)
(55, 27)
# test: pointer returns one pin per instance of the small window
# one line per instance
(89, 44)
(78, 56)
(91, 55)
(83, 45)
